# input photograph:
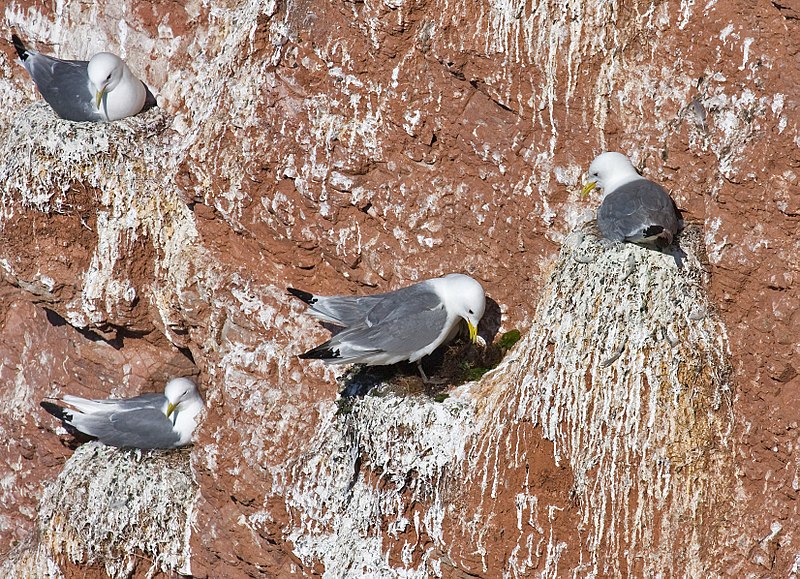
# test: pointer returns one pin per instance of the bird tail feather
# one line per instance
(59, 412)
(321, 352)
(303, 295)
(22, 52)
(339, 354)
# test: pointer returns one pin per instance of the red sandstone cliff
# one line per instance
(355, 147)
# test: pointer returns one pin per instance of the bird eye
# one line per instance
(470, 311)
(109, 76)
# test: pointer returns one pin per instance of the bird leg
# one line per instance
(425, 378)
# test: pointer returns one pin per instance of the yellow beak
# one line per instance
(100, 94)
(588, 187)
(473, 332)
(170, 409)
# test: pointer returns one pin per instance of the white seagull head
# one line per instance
(610, 171)
(182, 394)
(105, 73)
(465, 298)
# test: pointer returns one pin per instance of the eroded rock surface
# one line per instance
(122, 511)
(646, 422)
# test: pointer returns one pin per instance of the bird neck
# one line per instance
(439, 285)
(186, 412)
(621, 179)
(187, 408)
(127, 75)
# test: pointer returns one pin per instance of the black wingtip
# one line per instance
(652, 231)
(305, 296)
(58, 411)
(22, 52)
(321, 352)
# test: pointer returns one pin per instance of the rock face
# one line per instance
(124, 511)
(647, 422)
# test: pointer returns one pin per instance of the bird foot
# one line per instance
(425, 379)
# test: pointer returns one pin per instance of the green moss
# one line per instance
(473, 372)
(508, 339)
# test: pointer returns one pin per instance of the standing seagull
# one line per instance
(102, 89)
(148, 421)
(405, 324)
(634, 209)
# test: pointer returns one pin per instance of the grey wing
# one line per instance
(151, 400)
(64, 84)
(345, 311)
(627, 212)
(142, 428)
(348, 311)
(402, 323)
(402, 303)
(398, 336)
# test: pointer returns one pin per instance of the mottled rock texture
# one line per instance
(647, 424)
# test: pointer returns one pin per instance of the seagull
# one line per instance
(633, 209)
(146, 421)
(102, 89)
(405, 324)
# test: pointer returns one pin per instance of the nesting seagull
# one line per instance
(633, 209)
(148, 421)
(405, 324)
(102, 89)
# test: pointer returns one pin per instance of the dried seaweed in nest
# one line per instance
(466, 363)
(460, 362)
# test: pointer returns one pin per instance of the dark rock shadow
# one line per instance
(149, 100)
(57, 320)
(490, 322)
(676, 252)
